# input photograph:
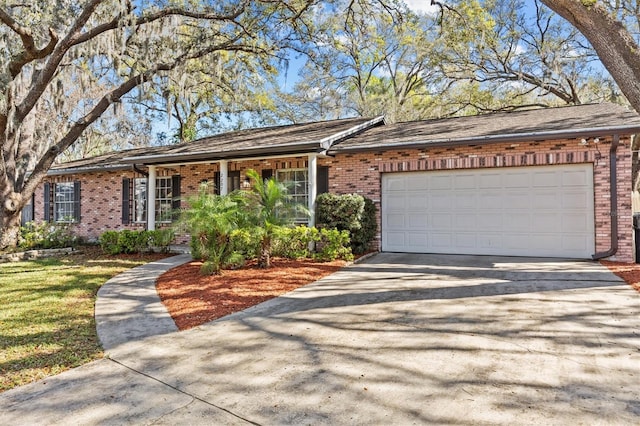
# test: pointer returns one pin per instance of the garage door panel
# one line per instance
(516, 180)
(489, 181)
(547, 179)
(440, 182)
(440, 240)
(417, 184)
(441, 221)
(417, 221)
(395, 221)
(575, 178)
(575, 200)
(517, 200)
(467, 181)
(522, 211)
(465, 201)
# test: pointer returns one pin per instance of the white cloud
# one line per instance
(422, 6)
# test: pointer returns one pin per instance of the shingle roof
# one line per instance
(550, 123)
(361, 134)
(110, 161)
(295, 138)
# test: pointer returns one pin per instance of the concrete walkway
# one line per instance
(128, 307)
(398, 339)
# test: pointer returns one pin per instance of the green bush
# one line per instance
(45, 235)
(332, 245)
(135, 241)
(293, 243)
(162, 238)
(350, 212)
(109, 242)
(361, 238)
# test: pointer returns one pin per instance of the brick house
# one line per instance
(547, 182)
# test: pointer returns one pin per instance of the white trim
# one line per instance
(312, 178)
(236, 160)
(151, 199)
(224, 177)
(329, 140)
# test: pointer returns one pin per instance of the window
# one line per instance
(297, 183)
(164, 200)
(66, 200)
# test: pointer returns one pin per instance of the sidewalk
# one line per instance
(128, 307)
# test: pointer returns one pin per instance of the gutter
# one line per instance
(613, 182)
(292, 148)
(138, 170)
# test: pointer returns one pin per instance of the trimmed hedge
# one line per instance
(128, 241)
(350, 212)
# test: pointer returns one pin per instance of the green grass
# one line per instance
(46, 313)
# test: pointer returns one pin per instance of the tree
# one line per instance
(612, 30)
(53, 50)
(507, 56)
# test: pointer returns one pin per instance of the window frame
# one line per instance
(295, 195)
(164, 204)
(69, 202)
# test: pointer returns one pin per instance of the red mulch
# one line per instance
(193, 299)
(629, 272)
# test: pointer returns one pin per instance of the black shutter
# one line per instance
(322, 176)
(175, 196)
(234, 181)
(47, 202)
(267, 174)
(126, 200)
(216, 183)
(76, 201)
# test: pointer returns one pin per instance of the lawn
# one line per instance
(46, 320)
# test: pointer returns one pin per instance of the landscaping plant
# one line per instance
(350, 212)
(211, 220)
(270, 209)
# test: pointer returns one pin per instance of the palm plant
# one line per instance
(271, 210)
(210, 220)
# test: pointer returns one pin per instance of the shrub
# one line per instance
(332, 245)
(109, 242)
(351, 212)
(162, 238)
(46, 235)
(133, 241)
(361, 238)
(293, 243)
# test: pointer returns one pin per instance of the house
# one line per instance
(545, 182)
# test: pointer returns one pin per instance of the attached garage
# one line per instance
(515, 211)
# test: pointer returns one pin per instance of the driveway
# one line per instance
(397, 339)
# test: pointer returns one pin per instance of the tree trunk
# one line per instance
(613, 43)
(9, 228)
(264, 261)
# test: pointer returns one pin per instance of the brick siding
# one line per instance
(361, 173)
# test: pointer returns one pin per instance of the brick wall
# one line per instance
(361, 173)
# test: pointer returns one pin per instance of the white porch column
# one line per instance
(224, 177)
(151, 199)
(313, 187)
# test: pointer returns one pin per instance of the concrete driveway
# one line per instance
(397, 339)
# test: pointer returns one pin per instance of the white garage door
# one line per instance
(517, 211)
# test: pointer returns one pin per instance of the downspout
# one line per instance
(137, 170)
(613, 182)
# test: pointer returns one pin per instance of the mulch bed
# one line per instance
(193, 299)
(629, 272)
